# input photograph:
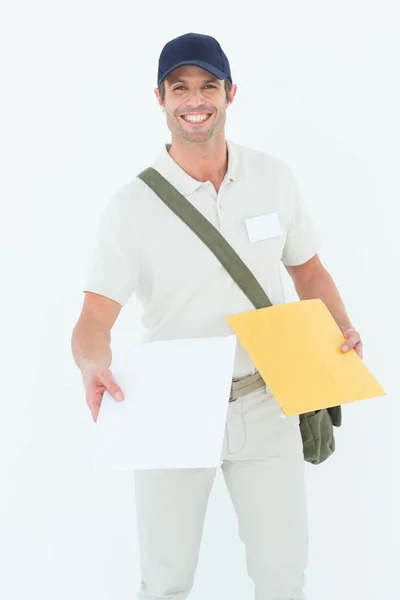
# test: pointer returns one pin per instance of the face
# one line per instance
(195, 103)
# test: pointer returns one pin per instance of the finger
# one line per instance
(95, 413)
(113, 389)
(348, 345)
(359, 349)
(351, 341)
(352, 334)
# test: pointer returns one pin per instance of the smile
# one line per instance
(199, 118)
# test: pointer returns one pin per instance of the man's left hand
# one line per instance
(353, 341)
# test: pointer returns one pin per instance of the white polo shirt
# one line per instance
(143, 248)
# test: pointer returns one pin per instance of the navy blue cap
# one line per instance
(194, 49)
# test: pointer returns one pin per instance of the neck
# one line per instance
(206, 161)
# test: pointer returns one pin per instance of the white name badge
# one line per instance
(263, 227)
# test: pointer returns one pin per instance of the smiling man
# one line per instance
(206, 121)
(143, 248)
(195, 105)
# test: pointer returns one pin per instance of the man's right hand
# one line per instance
(96, 381)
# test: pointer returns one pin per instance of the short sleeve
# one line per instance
(115, 267)
(302, 240)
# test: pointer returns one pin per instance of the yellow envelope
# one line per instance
(296, 348)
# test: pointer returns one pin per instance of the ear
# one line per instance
(232, 94)
(157, 93)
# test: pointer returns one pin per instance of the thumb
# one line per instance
(106, 378)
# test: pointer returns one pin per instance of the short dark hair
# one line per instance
(227, 82)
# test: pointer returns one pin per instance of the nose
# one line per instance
(194, 98)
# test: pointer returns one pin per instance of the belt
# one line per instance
(245, 385)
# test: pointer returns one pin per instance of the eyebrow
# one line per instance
(209, 80)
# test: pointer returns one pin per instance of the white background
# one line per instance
(318, 87)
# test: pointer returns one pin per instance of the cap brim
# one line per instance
(197, 63)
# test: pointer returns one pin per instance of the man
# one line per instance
(143, 248)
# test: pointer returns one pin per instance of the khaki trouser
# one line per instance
(263, 466)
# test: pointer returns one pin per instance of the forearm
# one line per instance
(90, 344)
(321, 285)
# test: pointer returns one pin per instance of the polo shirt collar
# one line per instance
(183, 182)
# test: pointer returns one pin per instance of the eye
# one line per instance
(178, 87)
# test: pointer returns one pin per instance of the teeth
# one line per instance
(195, 118)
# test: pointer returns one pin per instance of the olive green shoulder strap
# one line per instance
(236, 268)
